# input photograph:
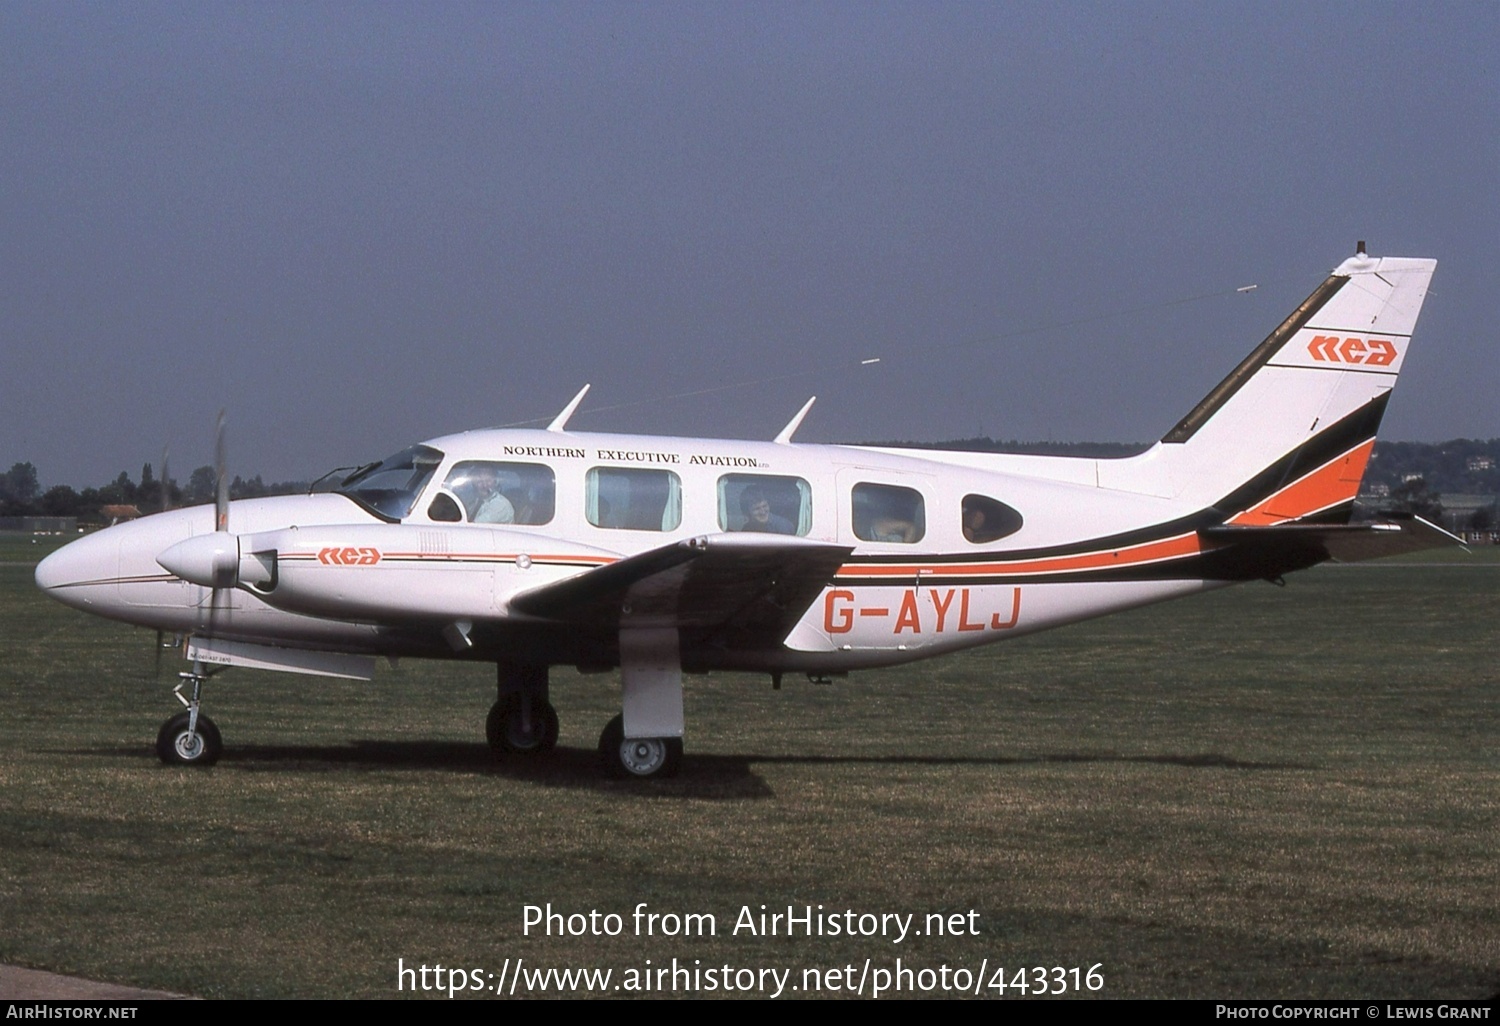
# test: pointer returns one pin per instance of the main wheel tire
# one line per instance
(177, 746)
(639, 756)
(504, 731)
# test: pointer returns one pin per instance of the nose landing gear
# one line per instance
(189, 738)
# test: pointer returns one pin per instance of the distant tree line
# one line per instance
(21, 494)
(1457, 466)
(1418, 475)
(1085, 450)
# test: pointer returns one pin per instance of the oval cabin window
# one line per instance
(986, 519)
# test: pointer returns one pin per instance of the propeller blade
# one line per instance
(220, 602)
(221, 461)
(221, 509)
(166, 482)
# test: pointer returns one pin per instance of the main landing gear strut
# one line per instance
(620, 756)
(651, 682)
(522, 720)
(189, 738)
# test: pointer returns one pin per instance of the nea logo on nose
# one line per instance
(335, 556)
(1375, 352)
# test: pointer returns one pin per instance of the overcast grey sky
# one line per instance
(358, 225)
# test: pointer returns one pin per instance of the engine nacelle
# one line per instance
(393, 572)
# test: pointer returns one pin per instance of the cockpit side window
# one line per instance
(502, 493)
(986, 519)
(444, 509)
(633, 499)
(390, 488)
(888, 513)
(765, 503)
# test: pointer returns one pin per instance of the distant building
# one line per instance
(1459, 510)
(1481, 463)
(40, 525)
(115, 514)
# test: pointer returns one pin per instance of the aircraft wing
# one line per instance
(1280, 547)
(742, 589)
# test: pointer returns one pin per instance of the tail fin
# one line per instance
(1286, 436)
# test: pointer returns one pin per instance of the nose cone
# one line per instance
(79, 573)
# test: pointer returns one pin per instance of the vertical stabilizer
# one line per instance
(1287, 434)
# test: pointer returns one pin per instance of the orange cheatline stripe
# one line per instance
(485, 556)
(1147, 552)
(505, 556)
(1334, 482)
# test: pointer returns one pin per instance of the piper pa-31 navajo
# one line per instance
(659, 556)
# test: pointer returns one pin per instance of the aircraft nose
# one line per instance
(75, 573)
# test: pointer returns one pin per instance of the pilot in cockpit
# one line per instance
(487, 504)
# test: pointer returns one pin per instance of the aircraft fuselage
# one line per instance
(388, 586)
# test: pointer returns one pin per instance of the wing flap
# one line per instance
(741, 589)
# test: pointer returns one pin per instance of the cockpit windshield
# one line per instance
(390, 488)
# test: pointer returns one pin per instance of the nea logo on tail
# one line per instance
(1375, 352)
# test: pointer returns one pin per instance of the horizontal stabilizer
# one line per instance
(750, 589)
(1276, 549)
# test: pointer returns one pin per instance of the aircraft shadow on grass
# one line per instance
(711, 776)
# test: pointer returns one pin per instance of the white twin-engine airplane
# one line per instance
(534, 548)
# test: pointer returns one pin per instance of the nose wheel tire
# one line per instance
(511, 733)
(638, 756)
(178, 746)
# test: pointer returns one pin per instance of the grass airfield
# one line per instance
(1258, 793)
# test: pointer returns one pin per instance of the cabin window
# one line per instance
(633, 499)
(763, 503)
(986, 519)
(888, 513)
(501, 493)
(389, 489)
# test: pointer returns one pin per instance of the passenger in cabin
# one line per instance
(892, 529)
(974, 522)
(887, 513)
(535, 507)
(758, 516)
(986, 519)
(488, 504)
